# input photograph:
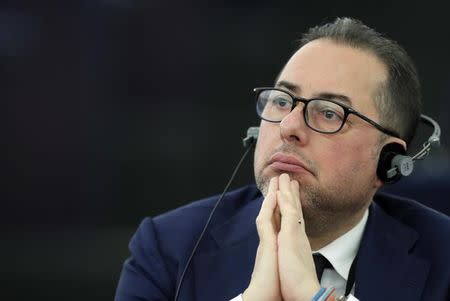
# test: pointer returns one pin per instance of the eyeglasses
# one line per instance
(321, 115)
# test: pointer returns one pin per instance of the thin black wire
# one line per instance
(210, 217)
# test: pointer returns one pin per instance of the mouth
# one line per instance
(288, 163)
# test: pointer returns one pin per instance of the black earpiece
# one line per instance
(394, 163)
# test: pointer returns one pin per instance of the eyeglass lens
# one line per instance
(321, 115)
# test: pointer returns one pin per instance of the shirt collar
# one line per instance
(342, 251)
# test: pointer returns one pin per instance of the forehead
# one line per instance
(326, 67)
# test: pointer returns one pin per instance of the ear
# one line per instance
(390, 149)
(399, 141)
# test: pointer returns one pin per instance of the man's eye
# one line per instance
(281, 102)
(331, 115)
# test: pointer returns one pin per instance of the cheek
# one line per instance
(261, 148)
(266, 143)
(365, 157)
(346, 158)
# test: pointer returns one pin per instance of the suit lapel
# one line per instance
(387, 268)
(224, 273)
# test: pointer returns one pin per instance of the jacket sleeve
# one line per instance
(144, 275)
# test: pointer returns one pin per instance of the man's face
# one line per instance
(339, 170)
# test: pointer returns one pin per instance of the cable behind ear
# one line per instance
(394, 163)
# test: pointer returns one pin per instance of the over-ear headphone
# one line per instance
(393, 162)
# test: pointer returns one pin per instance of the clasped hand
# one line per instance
(284, 267)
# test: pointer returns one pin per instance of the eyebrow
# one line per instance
(323, 95)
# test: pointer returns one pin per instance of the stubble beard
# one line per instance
(326, 210)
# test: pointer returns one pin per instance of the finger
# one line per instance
(277, 219)
(269, 202)
(287, 199)
(295, 261)
(289, 214)
(284, 182)
(295, 189)
(264, 220)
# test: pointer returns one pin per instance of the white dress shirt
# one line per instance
(340, 253)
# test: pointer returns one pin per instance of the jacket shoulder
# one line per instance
(411, 212)
(198, 211)
(432, 227)
(176, 231)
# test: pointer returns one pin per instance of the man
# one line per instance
(344, 97)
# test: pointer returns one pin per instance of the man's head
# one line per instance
(398, 99)
(337, 172)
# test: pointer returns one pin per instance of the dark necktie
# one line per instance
(321, 263)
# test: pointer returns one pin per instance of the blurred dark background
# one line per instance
(115, 110)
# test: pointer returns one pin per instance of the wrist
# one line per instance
(305, 292)
(313, 290)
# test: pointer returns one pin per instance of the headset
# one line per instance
(393, 163)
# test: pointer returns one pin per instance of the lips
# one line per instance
(288, 163)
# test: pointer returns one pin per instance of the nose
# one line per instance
(293, 128)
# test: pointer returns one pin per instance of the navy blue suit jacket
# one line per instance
(404, 253)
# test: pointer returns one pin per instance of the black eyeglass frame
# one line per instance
(347, 111)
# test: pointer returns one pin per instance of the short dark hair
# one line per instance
(398, 100)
